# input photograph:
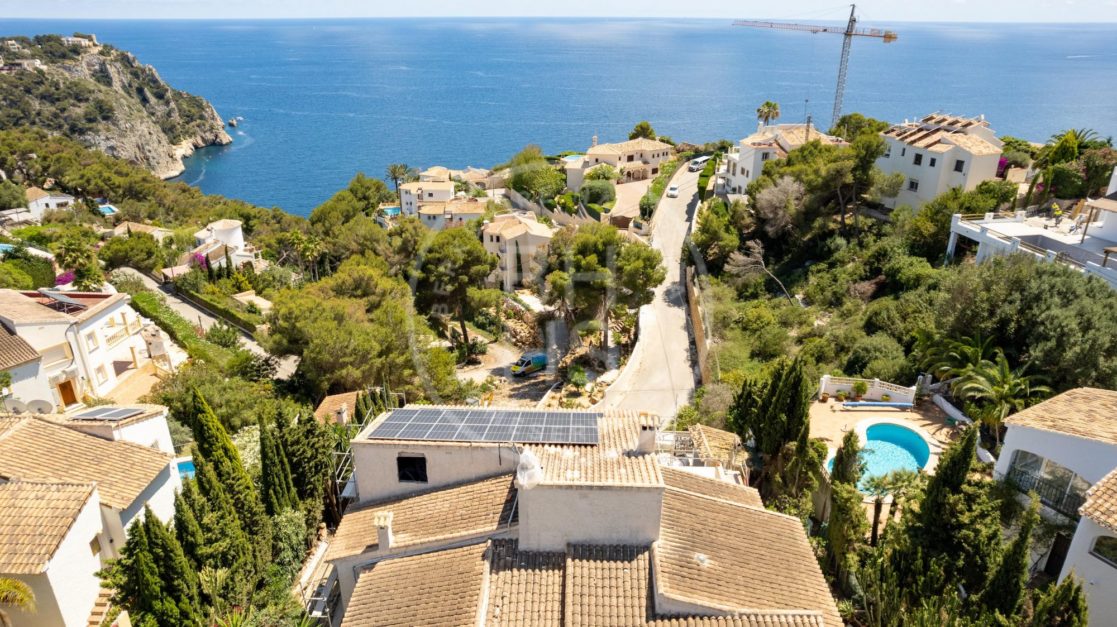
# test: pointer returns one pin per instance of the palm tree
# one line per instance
(14, 595)
(399, 172)
(956, 357)
(901, 484)
(1004, 389)
(768, 111)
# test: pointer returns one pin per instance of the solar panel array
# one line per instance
(111, 414)
(489, 425)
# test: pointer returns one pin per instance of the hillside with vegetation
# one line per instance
(107, 100)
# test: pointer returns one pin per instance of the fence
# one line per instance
(698, 325)
(876, 389)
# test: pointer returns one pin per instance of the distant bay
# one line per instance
(323, 99)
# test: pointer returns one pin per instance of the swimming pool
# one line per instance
(186, 468)
(107, 210)
(6, 248)
(391, 212)
(572, 157)
(887, 447)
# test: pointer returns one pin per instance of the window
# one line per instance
(959, 165)
(903, 151)
(887, 151)
(412, 468)
(91, 341)
(631, 157)
(1105, 549)
(102, 376)
(430, 194)
(932, 164)
(913, 185)
(918, 159)
(1056, 484)
(95, 545)
(764, 156)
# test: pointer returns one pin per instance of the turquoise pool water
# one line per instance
(571, 157)
(390, 211)
(6, 248)
(891, 447)
(107, 210)
(186, 469)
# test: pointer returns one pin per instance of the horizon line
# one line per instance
(533, 17)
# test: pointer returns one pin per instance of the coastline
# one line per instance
(186, 148)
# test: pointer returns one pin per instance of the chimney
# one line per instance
(593, 140)
(1112, 189)
(646, 444)
(343, 414)
(383, 522)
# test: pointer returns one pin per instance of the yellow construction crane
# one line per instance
(850, 31)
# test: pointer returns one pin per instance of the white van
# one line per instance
(699, 163)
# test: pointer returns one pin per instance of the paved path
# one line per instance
(660, 375)
(200, 317)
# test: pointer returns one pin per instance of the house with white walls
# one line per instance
(1065, 450)
(61, 348)
(224, 239)
(634, 160)
(938, 153)
(488, 516)
(745, 162)
(40, 201)
(440, 215)
(415, 194)
(1086, 239)
(517, 239)
(66, 500)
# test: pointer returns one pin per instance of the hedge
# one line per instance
(151, 305)
(655, 191)
(707, 172)
(228, 311)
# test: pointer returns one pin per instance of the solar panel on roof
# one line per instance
(109, 413)
(60, 297)
(489, 425)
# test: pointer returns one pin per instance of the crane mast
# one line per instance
(851, 30)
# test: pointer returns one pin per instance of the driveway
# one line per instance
(201, 318)
(660, 375)
(628, 198)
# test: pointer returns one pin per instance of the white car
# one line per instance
(673, 191)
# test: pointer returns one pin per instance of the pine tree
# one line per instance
(213, 443)
(187, 529)
(1063, 605)
(178, 579)
(276, 486)
(848, 465)
(1006, 585)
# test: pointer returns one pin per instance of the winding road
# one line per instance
(660, 376)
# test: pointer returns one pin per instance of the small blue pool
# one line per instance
(108, 210)
(186, 468)
(891, 447)
(572, 157)
(391, 212)
(6, 248)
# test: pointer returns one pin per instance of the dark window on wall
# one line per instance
(903, 151)
(959, 165)
(918, 160)
(913, 185)
(1105, 549)
(764, 156)
(412, 468)
(932, 164)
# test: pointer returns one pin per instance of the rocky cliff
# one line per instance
(106, 99)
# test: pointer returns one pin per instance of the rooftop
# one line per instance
(14, 351)
(34, 519)
(47, 306)
(1088, 413)
(938, 132)
(36, 449)
(457, 206)
(428, 186)
(513, 225)
(35, 193)
(631, 145)
(787, 137)
(328, 408)
(1101, 502)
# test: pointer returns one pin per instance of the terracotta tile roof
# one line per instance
(1088, 413)
(33, 449)
(718, 444)
(1101, 502)
(34, 519)
(458, 511)
(937, 133)
(34, 193)
(685, 481)
(607, 586)
(68, 420)
(14, 351)
(428, 186)
(525, 587)
(432, 589)
(757, 561)
(330, 405)
(514, 225)
(611, 462)
(631, 145)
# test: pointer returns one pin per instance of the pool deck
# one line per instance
(830, 421)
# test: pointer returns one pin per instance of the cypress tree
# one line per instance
(226, 545)
(178, 579)
(848, 465)
(228, 264)
(1063, 605)
(1005, 589)
(187, 529)
(215, 445)
(846, 528)
(277, 489)
(209, 269)
(519, 266)
(135, 578)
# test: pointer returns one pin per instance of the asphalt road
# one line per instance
(660, 375)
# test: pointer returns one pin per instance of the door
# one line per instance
(1058, 555)
(66, 391)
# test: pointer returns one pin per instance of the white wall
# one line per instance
(28, 384)
(152, 432)
(1089, 459)
(374, 466)
(1098, 578)
(553, 516)
(159, 495)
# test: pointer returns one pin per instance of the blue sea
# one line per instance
(324, 99)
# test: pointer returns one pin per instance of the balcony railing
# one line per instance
(1052, 494)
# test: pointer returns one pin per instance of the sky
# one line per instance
(870, 11)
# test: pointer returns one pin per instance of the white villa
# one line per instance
(415, 194)
(634, 160)
(938, 153)
(485, 516)
(1065, 450)
(40, 201)
(1086, 239)
(224, 238)
(437, 216)
(516, 239)
(60, 348)
(745, 161)
(67, 498)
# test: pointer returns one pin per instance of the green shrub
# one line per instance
(229, 309)
(576, 376)
(876, 357)
(224, 335)
(40, 270)
(13, 278)
(909, 273)
(598, 192)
